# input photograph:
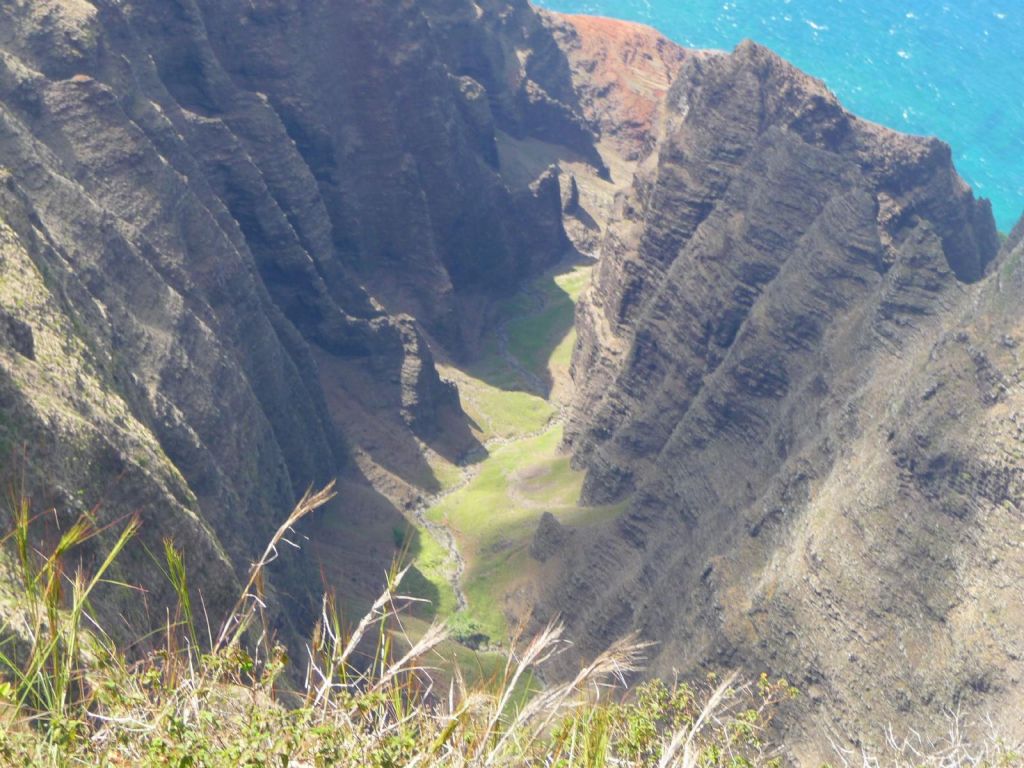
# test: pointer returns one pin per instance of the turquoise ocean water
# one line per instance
(949, 68)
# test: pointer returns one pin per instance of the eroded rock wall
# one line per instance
(773, 370)
(621, 72)
(208, 202)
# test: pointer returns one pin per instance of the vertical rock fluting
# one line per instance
(204, 201)
(761, 181)
(750, 377)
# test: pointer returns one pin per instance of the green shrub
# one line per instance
(467, 630)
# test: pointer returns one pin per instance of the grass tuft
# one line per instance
(372, 697)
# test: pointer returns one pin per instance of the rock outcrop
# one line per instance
(622, 72)
(549, 539)
(507, 48)
(774, 368)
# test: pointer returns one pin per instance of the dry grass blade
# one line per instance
(240, 613)
(624, 657)
(337, 656)
(685, 738)
(378, 611)
(957, 749)
(539, 650)
(434, 636)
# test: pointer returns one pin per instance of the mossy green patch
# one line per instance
(446, 474)
(435, 568)
(487, 507)
(540, 329)
(504, 414)
(495, 515)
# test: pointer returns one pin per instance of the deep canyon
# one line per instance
(594, 326)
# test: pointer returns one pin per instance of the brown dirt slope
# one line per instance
(622, 72)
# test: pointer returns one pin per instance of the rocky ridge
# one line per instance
(622, 72)
(230, 234)
(781, 363)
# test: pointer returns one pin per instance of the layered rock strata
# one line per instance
(783, 366)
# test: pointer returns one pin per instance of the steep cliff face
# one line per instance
(773, 368)
(508, 48)
(228, 229)
(393, 107)
(761, 180)
(207, 205)
(620, 72)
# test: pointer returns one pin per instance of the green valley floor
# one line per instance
(474, 536)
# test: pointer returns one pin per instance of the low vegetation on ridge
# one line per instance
(363, 696)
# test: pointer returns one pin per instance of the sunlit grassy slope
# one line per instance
(494, 512)
(495, 515)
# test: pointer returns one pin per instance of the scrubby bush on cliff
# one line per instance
(71, 696)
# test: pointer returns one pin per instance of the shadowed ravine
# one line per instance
(483, 522)
(250, 247)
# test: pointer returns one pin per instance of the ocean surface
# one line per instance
(948, 68)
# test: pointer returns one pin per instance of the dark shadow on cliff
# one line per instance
(451, 435)
(355, 539)
(583, 216)
(524, 350)
(368, 412)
